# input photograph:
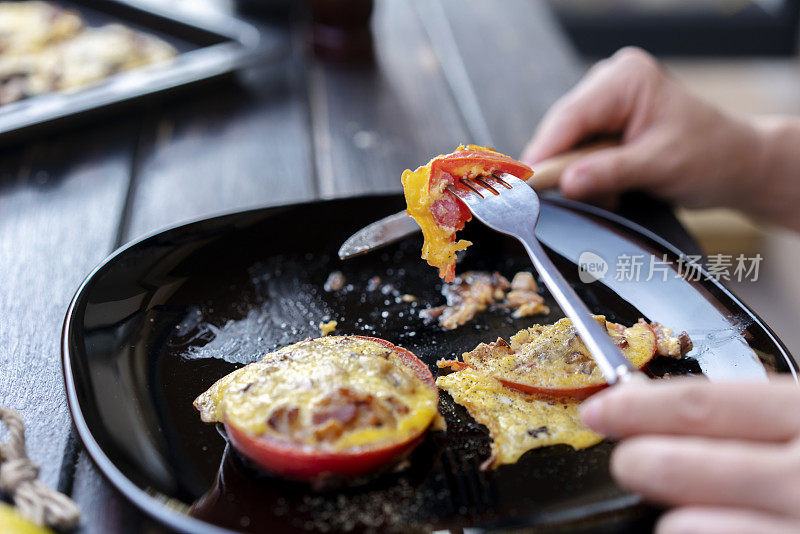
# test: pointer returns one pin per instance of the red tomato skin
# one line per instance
(300, 462)
(304, 462)
(451, 212)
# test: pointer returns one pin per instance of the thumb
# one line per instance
(606, 172)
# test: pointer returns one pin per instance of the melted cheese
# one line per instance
(303, 375)
(439, 247)
(554, 355)
(517, 422)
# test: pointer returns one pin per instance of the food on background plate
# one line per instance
(30, 26)
(474, 291)
(336, 405)
(440, 214)
(44, 48)
(527, 391)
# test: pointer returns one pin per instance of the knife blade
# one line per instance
(399, 226)
(378, 234)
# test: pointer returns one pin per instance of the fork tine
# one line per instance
(474, 186)
(485, 183)
(466, 194)
(505, 179)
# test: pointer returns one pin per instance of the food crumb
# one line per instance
(335, 282)
(327, 328)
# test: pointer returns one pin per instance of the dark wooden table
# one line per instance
(295, 129)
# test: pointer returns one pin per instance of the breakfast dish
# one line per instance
(109, 327)
(336, 405)
(517, 422)
(474, 291)
(552, 360)
(44, 48)
(527, 391)
(439, 214)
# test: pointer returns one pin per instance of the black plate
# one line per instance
(163, 318)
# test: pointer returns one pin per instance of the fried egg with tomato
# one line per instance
(337, 404)
(527, 392)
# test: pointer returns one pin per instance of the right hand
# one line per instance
(673, 144)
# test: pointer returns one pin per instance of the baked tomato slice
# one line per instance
(440, 214)
(553, 361)
(337, 405)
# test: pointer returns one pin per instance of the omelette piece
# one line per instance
(334, 393)
(517, 422)
(439, 214)
(553, 360)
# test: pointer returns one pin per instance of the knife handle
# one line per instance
(548, 171)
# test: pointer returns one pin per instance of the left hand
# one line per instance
(726, 455)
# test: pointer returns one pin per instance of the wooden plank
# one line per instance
(223, 147)
(60, 204)
(506, 63)
(372, 121)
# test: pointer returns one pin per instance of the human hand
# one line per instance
(673, 144)
(727, 456)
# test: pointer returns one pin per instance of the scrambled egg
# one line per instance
(335, 393)
(517, 422)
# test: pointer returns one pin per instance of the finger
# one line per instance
(601, 103)
(748, 411)
(605, 172)
(700, 471)
(702, 520)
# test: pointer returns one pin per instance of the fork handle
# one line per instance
(614, 366)
(548, 171)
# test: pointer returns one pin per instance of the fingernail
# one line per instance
(530, 156)
(577, 183)
(591, 413)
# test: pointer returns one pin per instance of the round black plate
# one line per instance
(163, 318)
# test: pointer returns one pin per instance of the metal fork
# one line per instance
(507, 204)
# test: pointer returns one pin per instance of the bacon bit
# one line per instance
(345, 409)
(335, 282)
(429, 314)
(330, 431)
(686, 343)
(455, 365)
(474, 291)
(667, 344)
(524, 281)
(284, 419)
(397, 405)
(344, 413)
